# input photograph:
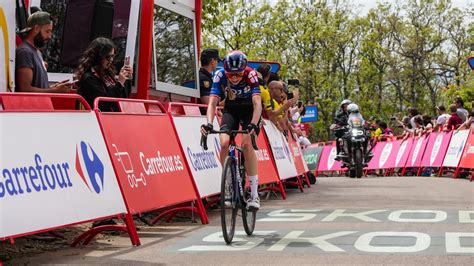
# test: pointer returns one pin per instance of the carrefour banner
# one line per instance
(281, 151)
(311, 155)
(455, 149)
(55, 171)
(148, 161)
(205, 165)
(7, 45)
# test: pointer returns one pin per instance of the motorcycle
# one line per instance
(355, 142)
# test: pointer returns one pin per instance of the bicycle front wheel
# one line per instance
(248, 217)
(228, 199)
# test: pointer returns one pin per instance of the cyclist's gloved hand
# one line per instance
(206, 129)
(252, 128)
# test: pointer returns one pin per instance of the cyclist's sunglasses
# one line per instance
(470, 60)
(234, 75)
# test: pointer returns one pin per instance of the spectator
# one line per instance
(412, 112)
(30, 69)
(290, 98)
(96, 74)
(378, 131)
(454, 121)
(419, 128)
(428, 123)
(303, 140)
(209, 60)
(386, 131)
(273, 77)
(277, 110)
(443, 117)
(470, 120)
(462, 113)
(263, 72)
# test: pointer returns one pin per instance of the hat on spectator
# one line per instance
(210, 53)
(38, 18)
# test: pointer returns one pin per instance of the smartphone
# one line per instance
(127, 61)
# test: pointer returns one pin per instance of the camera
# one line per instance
(294, 82)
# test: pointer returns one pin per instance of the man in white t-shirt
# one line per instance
(442, 118)
(461, 111)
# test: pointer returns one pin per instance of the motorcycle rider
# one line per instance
(340, 120)
(356, 119)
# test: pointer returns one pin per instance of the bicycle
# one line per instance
(232, 187)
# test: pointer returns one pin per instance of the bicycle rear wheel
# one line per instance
(228, 213)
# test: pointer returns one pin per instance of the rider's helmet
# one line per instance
(352, 108)
(345, 101)
(235, 62)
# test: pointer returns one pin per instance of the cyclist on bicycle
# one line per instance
(238, 85)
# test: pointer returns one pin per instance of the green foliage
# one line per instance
(397, 55)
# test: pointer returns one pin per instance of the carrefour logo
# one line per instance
(202, 160)
(38, 175)
(87, 158)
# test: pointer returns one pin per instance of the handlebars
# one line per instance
(232, 134)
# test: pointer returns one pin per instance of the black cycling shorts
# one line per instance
(235, 116)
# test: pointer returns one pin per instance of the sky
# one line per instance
(368, 4)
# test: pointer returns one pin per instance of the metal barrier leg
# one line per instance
(306, 179)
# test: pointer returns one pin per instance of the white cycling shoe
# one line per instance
(253, 204)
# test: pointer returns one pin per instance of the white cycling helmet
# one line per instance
(352, 108)
(346, 101)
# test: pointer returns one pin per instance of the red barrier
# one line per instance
(70, 159)
(416, 153)
(148, 161)
(435, 150)
(298, 158)
(467, 159)
(385, 154)
(327, 162)
(267, 173)
(403, 152)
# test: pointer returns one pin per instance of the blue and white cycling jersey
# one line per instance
(243, 91)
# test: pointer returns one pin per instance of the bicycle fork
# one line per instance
(238, 180)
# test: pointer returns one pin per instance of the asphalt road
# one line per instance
(373, 220)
